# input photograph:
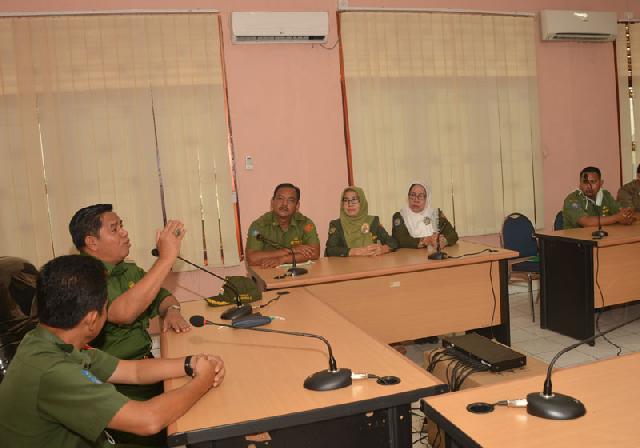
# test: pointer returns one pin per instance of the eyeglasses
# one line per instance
(419, 196)
(353, 201)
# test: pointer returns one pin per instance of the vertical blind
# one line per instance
(450, 99)
(628, 66)
(107, 109)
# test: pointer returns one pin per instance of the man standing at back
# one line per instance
(285, 226)
(591, 205)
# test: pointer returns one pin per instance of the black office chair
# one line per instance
(558, 223)
(518, 235)
(17, 292)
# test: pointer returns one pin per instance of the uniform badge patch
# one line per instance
(308, 228)
(332, 230)
(131, 284)
(396, 222)
(427, 220)
(575, 205)
(364, 228)
(295, 242)
(91, 377)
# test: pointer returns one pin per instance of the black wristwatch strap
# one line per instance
(187, 366)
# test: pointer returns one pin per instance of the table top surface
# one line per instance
(263, 388)
(333, 269)
(609, 390)
(618, 234)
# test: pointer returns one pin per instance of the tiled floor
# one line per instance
(529, 339)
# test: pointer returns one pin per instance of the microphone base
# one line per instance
(437, 256)
(328, 380)
(554, 407)
(294, 272)
(600, 234)
(238, 311)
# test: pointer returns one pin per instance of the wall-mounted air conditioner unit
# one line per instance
(279, 27)
(578, 25)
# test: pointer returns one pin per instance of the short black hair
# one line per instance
(69, 287)
(87, 221)
(590, 169)
(287, 185)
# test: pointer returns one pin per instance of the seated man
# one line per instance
(583, 206)
(56, 392)
(285, 226)
(629, 194)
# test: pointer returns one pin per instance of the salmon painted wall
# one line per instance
(286, 109)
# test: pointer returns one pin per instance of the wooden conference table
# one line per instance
(607, 388)
(263, 388)
(405, 296)
(572, 267)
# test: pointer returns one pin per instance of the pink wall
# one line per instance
(286, 111)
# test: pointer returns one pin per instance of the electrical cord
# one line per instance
(459, 366)
(473, 253)
(280, 294)
(602, 300)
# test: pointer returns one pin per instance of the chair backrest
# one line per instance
(558, 223)
(517, 234)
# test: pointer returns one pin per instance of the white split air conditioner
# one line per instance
(578, 25)
(280, 27)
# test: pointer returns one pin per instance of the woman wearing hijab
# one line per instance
(357, 233)
(413, 226)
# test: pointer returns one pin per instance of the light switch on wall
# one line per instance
(248, 162)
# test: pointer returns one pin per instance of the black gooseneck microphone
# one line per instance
(293, 270)
(230, 314)
(555, 406)
(438, 254)
(596, 234)
(331, 379)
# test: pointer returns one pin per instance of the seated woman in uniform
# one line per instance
(413, 226)
(357, 233)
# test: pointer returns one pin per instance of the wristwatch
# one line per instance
(187, 366)
(175, 307)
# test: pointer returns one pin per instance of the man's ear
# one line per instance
(91, 242)
(298, 206)
(91, 320)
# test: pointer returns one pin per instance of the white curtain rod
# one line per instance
(107, 12)
(446, 10)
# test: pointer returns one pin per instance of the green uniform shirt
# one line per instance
(401, 233)
(55, 396)
(130, 341)
(301, 230)
(337, 244)
(629, 195)
(576, 205)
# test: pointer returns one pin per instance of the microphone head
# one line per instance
(155, 252)
(197, 321)
(256, 234)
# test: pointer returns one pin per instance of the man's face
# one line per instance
(590, 184)
(285, 203)
(113, 243)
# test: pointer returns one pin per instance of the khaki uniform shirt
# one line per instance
(56, 396)
(576, 205)
(127, 341)
(337, 243)
(629, 195)
(401, 233)
(301, 230)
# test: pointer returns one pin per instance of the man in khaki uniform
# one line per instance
(57, 392)
(629, 194)
(285, 226)
(582, 207)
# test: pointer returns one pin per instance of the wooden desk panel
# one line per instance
(336, 269)
(572, 265)
(607, 388)
(412, 305)
(263, 388)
